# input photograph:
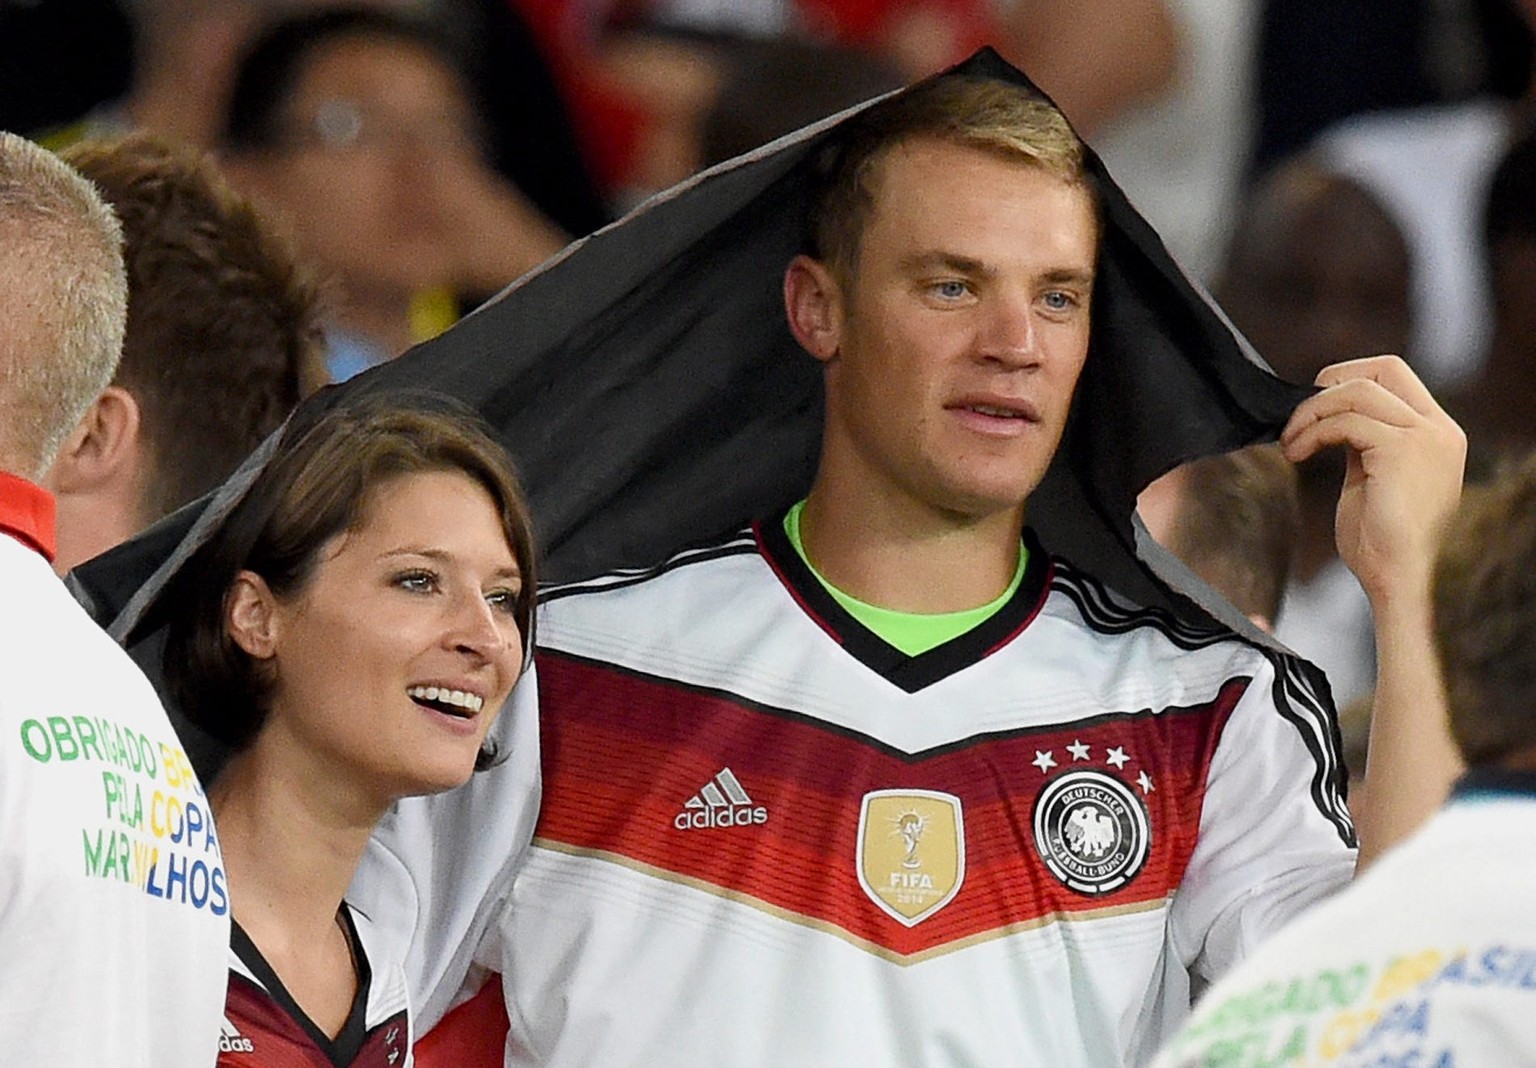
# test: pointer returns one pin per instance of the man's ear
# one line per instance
(250, 615)
(103, 446)
(814, 303)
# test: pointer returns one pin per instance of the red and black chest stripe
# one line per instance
(1099, 813)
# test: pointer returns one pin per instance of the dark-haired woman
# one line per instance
(351, 631)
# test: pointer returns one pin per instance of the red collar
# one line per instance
(27, 514)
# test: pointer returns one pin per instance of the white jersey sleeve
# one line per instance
(438, 868)
(1271, 826)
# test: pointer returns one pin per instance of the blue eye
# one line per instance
(1056, 300)
(950, 289)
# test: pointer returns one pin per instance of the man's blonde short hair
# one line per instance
(63, 302)
(999, 117)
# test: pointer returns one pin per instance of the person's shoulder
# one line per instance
(712, 600)
(1393, 961)
(30, 584)
(699, 560)
(1172, 658)
(1078, 596)
(40, 619)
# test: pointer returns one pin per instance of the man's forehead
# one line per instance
(942, 163)
(935, 185)
(918, 148)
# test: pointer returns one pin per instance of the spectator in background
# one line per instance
(223, 341)
(113, 923)
(1427, 958)
(65, 68)
(645, 73)
(772, 87)
(356, 126)
(1319, 273)
(1232, 519)
(1498, 405)
(1181, 150)
(1429, 166)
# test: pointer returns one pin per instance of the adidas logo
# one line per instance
(720, 803)
(232, 1041)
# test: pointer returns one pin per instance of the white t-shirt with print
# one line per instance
(114, 912)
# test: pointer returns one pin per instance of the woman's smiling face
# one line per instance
(391, 661)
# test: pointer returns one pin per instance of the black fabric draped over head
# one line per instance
(648, 387)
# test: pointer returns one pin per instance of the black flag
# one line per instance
(648, 387)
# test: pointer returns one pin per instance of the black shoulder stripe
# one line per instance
(1301, 696)
(1300, 692)
(740, 544)
(1101, 612)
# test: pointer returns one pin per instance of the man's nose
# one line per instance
(1009, 331)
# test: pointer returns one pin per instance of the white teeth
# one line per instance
(1003, 413)
(458, 698)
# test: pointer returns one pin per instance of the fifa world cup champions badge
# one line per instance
(911, 854)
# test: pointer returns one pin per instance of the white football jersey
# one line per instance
(769, 838)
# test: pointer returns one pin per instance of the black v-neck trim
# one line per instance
(344, 1048)
(909, 673)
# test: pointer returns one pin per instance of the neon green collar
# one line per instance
(911, 632)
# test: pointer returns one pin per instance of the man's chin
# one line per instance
(974, 505)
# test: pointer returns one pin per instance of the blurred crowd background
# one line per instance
(1347, 176)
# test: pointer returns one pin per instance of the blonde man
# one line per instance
(881, 780)
(113, 911)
